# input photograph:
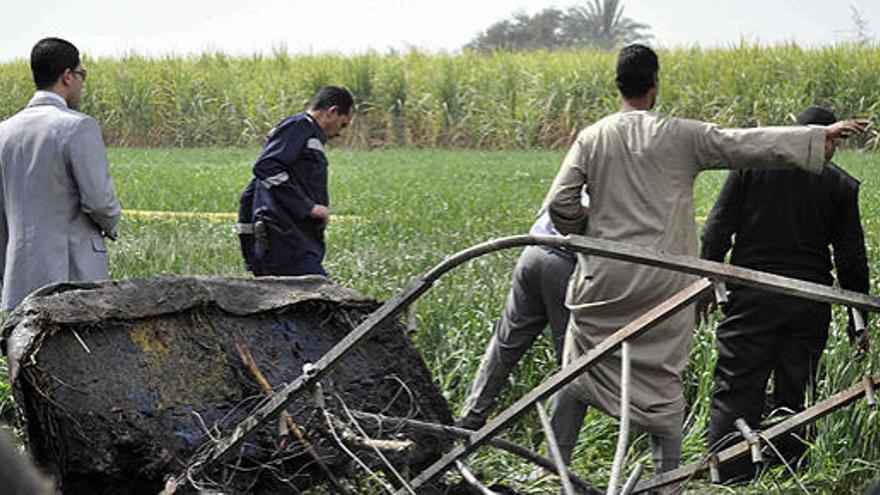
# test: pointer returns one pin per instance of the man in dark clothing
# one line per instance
(285, 208)
(783, 222)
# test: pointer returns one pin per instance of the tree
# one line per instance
(861, 28)
(521, 33)
(598, 23)
(601, 24)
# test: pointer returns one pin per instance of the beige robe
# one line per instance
(639, 168)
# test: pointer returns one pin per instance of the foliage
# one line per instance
(400, 212)
(601, 24)
(498, 101)
(596, 23)
(861, 27)
(542, 31)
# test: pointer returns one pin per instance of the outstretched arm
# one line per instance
(768, 147)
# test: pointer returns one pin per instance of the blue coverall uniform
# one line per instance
(278, 235)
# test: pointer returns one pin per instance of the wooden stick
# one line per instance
(292, 427)
(392, 446)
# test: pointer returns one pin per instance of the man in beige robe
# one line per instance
(639, 169)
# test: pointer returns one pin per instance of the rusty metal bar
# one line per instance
(553, 447)
(642, 324)
(452, 431)
(804, 417)
(623, 433)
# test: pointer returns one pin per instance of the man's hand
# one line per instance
(320, 212)
(845, 128)
(859, 337)
(862, 343)
(703, 308)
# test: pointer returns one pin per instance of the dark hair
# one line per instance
(637, 67)
(333, 96)
(814, 114)
(50, 57)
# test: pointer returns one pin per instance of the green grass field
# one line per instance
(402, 212)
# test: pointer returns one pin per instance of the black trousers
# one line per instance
(764, 333)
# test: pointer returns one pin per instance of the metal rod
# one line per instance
(858, 320)
(623, 434)
(722, 272)
(553, 447)
(471, 478)
(652, 318)
(632, 480)
(720, 292)
(464, 434)
(411, 323)
(870, 396)
(752, 438)
(807, 416)
(714, 472)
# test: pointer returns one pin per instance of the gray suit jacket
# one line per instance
(57, 199)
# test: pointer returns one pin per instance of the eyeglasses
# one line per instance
(82, 73)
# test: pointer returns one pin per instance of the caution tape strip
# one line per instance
(212, 215)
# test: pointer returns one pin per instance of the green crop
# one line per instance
(498, 101)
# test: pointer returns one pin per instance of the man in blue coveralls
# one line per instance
(285, 207)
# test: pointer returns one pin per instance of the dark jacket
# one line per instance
(783, 222)
(290, 178)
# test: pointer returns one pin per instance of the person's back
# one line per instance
(57, 198)
(40, 201)
(787, 221)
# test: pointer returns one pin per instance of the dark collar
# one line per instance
(318, 128)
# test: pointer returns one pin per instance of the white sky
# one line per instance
(156, 27)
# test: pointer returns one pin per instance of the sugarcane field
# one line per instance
(400, 247)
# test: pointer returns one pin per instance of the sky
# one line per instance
(159, 27)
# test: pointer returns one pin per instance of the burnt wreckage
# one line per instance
(177, 384)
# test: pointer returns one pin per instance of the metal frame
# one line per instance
(597, 247)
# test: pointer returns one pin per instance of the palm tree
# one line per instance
(601, 23)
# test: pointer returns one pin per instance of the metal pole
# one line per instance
(644, 323)
(623, 435)
(632, 480)
(553, 447)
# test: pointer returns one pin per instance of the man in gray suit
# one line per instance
(57, 202)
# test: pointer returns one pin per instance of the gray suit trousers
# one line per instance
(536, 299)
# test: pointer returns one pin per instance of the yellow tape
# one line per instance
(212, 215)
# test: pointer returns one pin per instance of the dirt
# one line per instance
(121, 384)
